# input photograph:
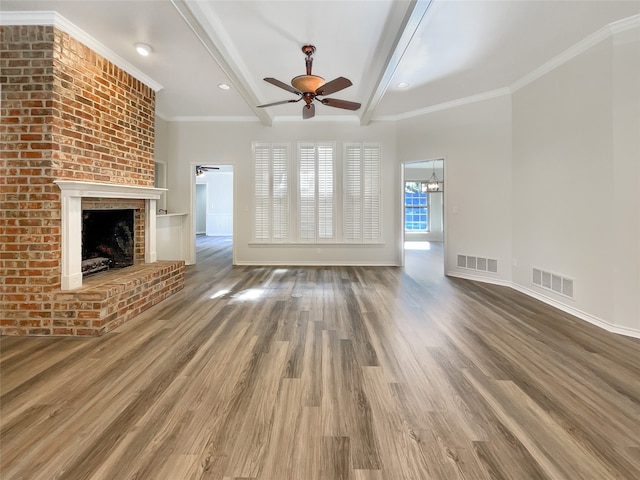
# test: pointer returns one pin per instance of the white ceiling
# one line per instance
(446, 50)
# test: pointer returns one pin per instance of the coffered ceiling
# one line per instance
(446, 51)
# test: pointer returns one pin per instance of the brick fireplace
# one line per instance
(77, 132)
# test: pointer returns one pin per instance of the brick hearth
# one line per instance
(109, 299)
(70, 115)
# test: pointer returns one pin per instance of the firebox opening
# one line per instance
(107, 240)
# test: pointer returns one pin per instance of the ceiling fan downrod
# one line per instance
(308, 50)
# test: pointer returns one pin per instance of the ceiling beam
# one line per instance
(206, 28)
(415, 12)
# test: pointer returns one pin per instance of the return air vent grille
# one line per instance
(481, 264)
(554, 282)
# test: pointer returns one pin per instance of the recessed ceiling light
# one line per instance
(402, 85)
(143, 49)
(223, 86)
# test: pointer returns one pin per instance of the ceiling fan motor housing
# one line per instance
(307, 83)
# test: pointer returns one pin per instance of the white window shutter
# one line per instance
(325, 192)
(261, 190)
(316, 202)
(307, 192)
(362, 193)
(352, 193)
(271, 192)
(371, 198)
(280, 192)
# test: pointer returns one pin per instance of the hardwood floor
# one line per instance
(325, 374)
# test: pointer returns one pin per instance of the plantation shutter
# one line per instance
(316, 203)
(307, 189)
(325, 192)
(261, 191)
(271, 192)
(353, 194)
(371, 198)
(280, 192)
(362, 193)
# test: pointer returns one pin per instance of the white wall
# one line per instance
(200, 207)
(626, 180)
(192, 143)
(475, 142)
(217, 205)
(576, 180)
(160, 158)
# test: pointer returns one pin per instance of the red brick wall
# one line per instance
(103, 118)
(66, 113)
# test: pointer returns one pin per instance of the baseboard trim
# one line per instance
(313, 264)
(478, 278)
(598, 322)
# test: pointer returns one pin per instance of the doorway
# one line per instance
(212, 195)
(201, 208)
(214, 200)
(423, 227)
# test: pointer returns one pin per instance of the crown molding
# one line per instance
(572, 52)
(624, 24)
(594, 39)
(447, 105)
(50, 18)
(317, 119)
(161, 115)
(210, 119)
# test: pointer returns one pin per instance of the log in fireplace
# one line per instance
(107, 240)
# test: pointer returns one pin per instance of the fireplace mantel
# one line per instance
(73, 188)
(72, 194)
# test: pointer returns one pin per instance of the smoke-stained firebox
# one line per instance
(108, 240)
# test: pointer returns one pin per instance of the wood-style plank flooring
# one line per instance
(325, 374)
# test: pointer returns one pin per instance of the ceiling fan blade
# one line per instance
(282, 102)
(334, 102)
(308, 111)
(334, 86)
(282, 85)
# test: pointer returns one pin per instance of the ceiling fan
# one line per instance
(200, 170)
(309, 87)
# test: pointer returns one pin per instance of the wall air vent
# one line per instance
(552, 281)
(481, 264)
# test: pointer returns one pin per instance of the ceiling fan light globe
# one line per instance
(307, 83)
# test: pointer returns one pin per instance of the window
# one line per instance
(271, 192)
(362, 193)
(312, 216)
(416, 207)
(316, 202)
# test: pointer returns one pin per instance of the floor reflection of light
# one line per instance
(417, 246)
(219, 293)
(280, 270)
(250, 294)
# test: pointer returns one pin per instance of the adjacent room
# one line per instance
(324, 240)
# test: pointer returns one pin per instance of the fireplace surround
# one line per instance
(72, 194)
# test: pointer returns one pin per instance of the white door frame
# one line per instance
(403, 166)
(192, 203)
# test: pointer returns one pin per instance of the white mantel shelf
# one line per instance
(74, 188)
(72, 194)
